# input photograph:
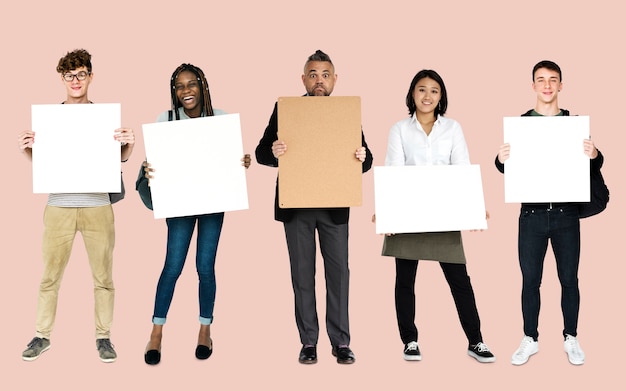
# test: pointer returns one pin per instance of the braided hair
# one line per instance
(207, 108)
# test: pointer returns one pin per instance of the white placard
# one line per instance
(547, 161)
(428, 198)
(75, 150)
(197, 166)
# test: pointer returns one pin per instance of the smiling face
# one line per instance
(427, 94)
(319, 78)
(547, 84)
(189, 94)
(77, 89)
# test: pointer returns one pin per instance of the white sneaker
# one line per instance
(527, 348)
(575, 354)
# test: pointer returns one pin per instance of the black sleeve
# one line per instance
(369, 158)
(263, 151)
(499, 166)
(596, 164)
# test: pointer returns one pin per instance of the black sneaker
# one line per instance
(412, 352)
(481, 353)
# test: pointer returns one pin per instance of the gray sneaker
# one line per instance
(105, 350)
(35, 348)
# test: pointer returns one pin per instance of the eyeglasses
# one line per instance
(80, 76)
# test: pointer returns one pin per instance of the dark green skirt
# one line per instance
(434, 246)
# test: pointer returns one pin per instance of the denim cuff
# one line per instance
(205, 321)
(158, 321)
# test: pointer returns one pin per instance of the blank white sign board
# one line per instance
(547, 162)
(428, 198)
(75, 150)
(197, 165)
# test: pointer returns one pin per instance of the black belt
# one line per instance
(546, 205)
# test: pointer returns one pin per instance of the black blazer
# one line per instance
(265, 156)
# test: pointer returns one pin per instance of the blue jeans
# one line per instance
(179, 232)
(559, 224)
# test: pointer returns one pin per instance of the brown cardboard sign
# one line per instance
(319, 168)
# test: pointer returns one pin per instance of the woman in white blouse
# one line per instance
(427, 138)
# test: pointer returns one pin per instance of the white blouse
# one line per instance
(408, 144)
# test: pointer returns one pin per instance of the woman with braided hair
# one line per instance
(190, 99)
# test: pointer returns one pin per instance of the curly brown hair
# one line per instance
(73, 60)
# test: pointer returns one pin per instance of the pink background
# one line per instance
(253, 52)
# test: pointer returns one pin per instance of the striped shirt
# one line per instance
(78, 200)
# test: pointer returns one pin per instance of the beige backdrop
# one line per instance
(252, 53)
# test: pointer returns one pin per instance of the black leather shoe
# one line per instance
(203, 352)
(152, 357)
(344, 355)
(308, 355)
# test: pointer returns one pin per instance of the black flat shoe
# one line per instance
(308, 355)
(203, 352)
(344, 355)
(152, 357)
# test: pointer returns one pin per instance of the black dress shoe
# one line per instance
(308, 355)
(203, 352)
(152, 357)
(344, 355)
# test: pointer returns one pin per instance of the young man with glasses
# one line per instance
(67, 213)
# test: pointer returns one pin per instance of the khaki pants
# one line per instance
(96, 226)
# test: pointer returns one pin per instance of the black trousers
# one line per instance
(462, 292)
